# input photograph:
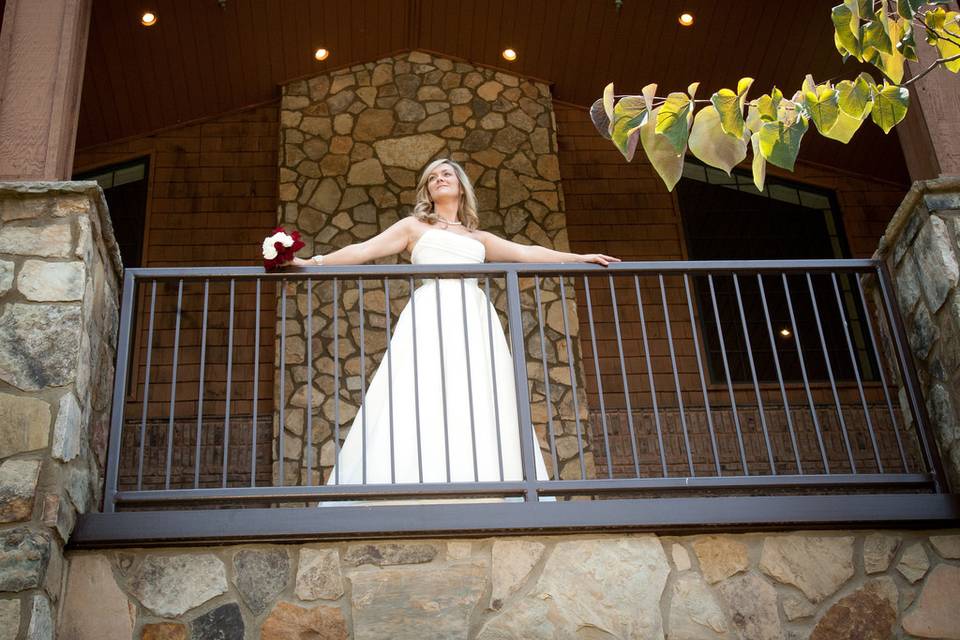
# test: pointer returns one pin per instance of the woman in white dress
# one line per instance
(442, 423)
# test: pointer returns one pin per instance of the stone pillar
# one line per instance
(43, 46)
(59, 283)
(921, 247)
(353, 145)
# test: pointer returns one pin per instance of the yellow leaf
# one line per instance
(710, 143)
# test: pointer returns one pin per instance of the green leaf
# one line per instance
(823, 105)
(856, 96)
(844, 128)
(907, 46)
(673, 121)
(628, 115)
(759, 165)
(661, 153)
(768, 104)
(907, 8)
(608, 106)
(890, 106)
(710, 143)
(846, 25)
(875, 36)
(780, 144)
(729, 106)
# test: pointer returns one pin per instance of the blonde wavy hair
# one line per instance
(423, 210)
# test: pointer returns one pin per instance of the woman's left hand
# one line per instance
(598, 258)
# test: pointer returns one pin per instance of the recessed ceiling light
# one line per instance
(686, 19)
(148, 19)
(321, 54)
(509, 55)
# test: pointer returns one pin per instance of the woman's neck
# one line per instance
(447, 210)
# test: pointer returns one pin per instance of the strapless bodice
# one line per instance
(439, 246)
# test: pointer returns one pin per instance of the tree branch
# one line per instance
(936, 63)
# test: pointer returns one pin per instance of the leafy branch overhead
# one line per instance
(877, 32)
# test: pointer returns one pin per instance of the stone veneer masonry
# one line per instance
(59, 283)
(353, 144)
(921, 247)
(793, 586)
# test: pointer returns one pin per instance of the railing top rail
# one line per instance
(500, 269)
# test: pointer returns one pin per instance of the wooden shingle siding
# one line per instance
(212, 199)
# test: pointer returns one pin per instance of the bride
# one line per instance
(456, 419)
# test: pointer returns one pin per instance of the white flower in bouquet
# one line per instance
(269, 245)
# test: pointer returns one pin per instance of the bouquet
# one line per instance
(279, 248)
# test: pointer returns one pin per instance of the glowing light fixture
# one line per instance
(321, 54)
(148, 19)
(785, 333)
(686, 19)
(509, 55)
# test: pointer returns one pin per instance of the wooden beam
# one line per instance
(930, 134)
(42, 51)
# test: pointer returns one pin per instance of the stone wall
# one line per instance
(353, 143)
(59, 285)
(921, 247)
(819, 585)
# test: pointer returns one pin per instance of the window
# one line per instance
(726, 218)
(125, 188)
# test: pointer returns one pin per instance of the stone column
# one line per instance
(921, 247)
(59, 283)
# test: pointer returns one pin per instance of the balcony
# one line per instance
(661, 395)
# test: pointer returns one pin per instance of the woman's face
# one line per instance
(442, 183)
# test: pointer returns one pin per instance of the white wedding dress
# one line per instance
(451, 446)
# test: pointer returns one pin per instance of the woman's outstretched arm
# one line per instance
(389, 242)
(500, 250)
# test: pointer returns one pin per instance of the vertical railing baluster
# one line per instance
(416, 382)
(573, 380)
(466, 348)
(753, 374)
(493, 369)
(726, 372)
(283, 377)
(703, 379)
(776, 363)
(226, 413)
(203, 362)
(527, 444)
(443, 382)
(256, 386)
(335, 303)
(856, 373)
(121, 380)
(386, 299)
(363, 384)
(308, 445)
(623, 375)
(146, 387)
(676, 377)
(546, 379)
(173, 386)
(803, 373)
(883, 376)
(653, 388)
(833, 384)
(596, 368)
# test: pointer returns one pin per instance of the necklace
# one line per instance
(452, 224)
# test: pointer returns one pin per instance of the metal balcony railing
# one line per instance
(659, 395)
